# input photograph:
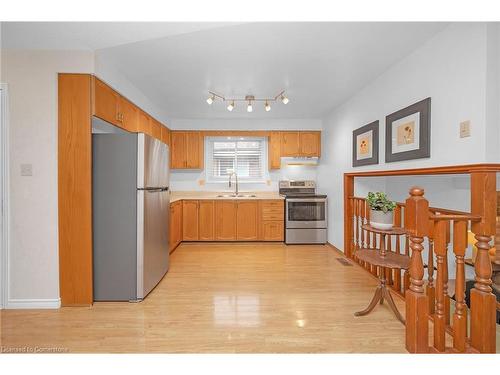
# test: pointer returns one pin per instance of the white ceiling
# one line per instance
(91, 35)
(320, 65)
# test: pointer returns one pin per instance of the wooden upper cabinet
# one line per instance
(178, 150)
(190, 220)
(129, 115)
(310, 143)
(225, 220)
(156, 129)
(194, 150)
(301, 143)
(165, 135)
(290, 144)
(144, 123)
(106, 102)
(206, 220)
(247, 215)
(274, 150)
(187, 149)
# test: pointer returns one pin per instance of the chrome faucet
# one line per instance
(236, 180)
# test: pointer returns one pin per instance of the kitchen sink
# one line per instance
(236, 196)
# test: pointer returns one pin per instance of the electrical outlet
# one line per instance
(26, 170)
(465, 129)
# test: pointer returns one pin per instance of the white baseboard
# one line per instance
(33, 303)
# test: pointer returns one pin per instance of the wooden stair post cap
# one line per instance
(416, 191)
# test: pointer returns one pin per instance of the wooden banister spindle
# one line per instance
(460, 315)
(361, 222)
(351, 229)
(439, 316)
(397, 272)
(430, 290)
(447, 297)
(406, 277)
(417, 323)
(356, 225)
(366, 213)
(483, 302)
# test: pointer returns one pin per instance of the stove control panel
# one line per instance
(297, 184)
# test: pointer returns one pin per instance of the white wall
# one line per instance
(451, 68)
(33, 256)
(105, 70)
(246, 124)
(186, 180)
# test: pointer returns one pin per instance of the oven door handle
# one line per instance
(306, 199)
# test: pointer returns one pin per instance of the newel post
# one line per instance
(417, 306)
(483, 302)
(348, 215)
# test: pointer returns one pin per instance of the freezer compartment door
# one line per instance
(152, 162)
(152, 245)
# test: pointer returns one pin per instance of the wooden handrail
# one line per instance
(451, 169)
(445, 211)
(469, 217)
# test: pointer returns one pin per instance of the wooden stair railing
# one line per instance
(429, 300)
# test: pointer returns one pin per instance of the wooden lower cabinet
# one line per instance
(225, 220)
(272, 231)
(176, 219)
(190, 220)
(247, 220)
(206, 220)
(272, 220)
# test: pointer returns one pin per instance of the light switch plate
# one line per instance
(465, 129)
(26, 169)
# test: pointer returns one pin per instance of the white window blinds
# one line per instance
(245, 156)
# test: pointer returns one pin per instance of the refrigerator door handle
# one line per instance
(154, 190)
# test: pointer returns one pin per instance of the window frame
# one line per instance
(211, 179)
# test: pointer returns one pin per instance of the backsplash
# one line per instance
(186, 180)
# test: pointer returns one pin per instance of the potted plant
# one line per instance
(381, 210)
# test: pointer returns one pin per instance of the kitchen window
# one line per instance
(247, 156)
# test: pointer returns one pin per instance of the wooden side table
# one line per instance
(385, 259)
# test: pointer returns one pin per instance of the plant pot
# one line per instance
(381, 219)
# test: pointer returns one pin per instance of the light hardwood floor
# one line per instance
(227, 298)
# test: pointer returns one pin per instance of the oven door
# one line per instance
(306, 213)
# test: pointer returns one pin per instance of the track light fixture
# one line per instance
(250, 99)
(211, 99)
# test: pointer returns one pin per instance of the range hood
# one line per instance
(313, 161)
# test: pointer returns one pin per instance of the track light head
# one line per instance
(267, 106)
(230, 106)
(284, 99)
(211, 99)
(249, 107)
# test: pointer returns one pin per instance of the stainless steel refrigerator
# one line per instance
(131, 199)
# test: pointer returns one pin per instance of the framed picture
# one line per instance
(365, 145)
(408, 132)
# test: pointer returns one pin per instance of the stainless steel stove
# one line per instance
(305, 213)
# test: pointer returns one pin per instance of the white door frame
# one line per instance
(4, 194)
